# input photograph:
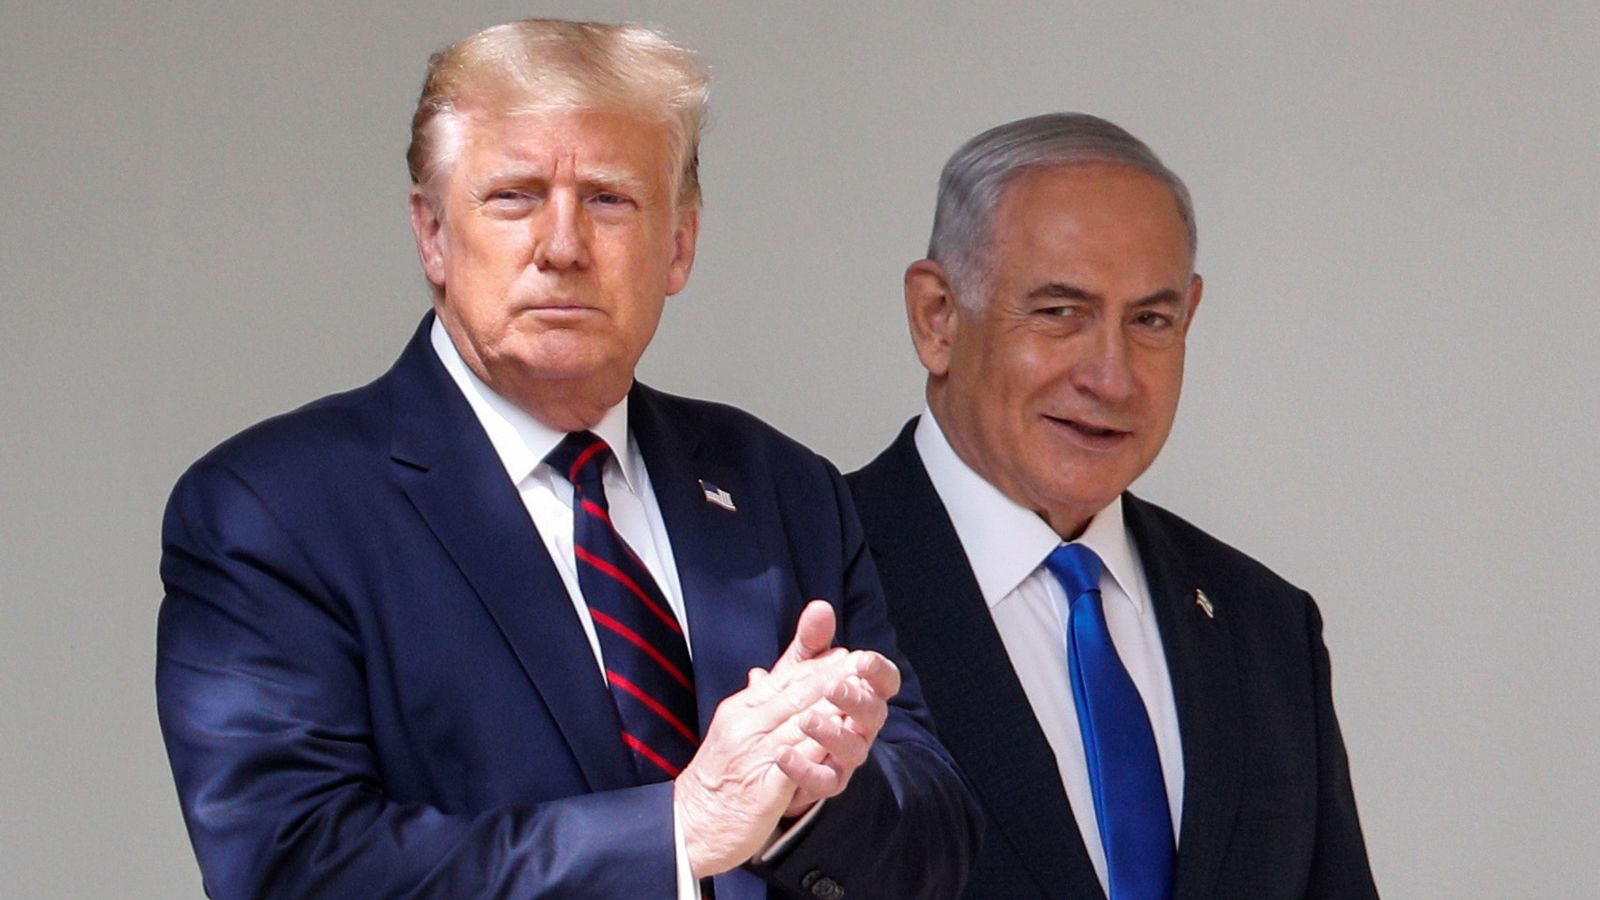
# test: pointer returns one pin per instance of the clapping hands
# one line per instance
(791, 738)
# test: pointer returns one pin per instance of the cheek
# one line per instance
(1164, 383)
(1002, 377)
(1034, 373)
(643, 318)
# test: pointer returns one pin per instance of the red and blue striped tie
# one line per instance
(641, 643)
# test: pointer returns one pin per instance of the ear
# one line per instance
(933, 314)
(1197, 287)
(427, 226)
(684, 236)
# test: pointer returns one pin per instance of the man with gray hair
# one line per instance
(506, 623)
(1143, 711)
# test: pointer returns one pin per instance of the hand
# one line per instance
(758, 751)
(730, 796)
(840, 730)
(840, 727)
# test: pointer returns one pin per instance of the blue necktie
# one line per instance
(641, 643)
(1130, 797)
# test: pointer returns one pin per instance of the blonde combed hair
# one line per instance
(541, 65)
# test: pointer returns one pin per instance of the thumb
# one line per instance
(813, 635)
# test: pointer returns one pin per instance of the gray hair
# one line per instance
(971, 185)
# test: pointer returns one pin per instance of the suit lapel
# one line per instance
(982, 714)
(1200, 659)
(729, 591)
(449, 470)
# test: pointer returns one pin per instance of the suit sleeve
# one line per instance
(260, 688)
(1339, 867)
(907, 825)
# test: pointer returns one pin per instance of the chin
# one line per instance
(559, 351)
(1090, 494)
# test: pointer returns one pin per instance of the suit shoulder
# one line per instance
(880, 472)
(735, 431)
(892, 477)
(1270, 615)
(328, 434)
(1205, 554)
(885, 476)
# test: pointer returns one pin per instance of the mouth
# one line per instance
(559, 306)
(1091, 435)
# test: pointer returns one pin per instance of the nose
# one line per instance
(560, 239)
(1105, 371)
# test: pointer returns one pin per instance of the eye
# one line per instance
(1068, 313)
(609, 198)
(1156, 329)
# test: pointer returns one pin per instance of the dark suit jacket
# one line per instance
(1268, 810)
(372, 682)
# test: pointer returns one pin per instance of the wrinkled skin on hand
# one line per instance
(792, 737)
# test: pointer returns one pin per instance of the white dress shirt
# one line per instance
(522, 442)
(1006, 545)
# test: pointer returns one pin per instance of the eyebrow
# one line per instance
(598, 179)
(614, 179)
(1060, 290)
(512, 173)
(1166, 296)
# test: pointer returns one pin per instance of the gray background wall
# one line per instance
(1391, 395)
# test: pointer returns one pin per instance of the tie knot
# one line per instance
(580, 458)
(1076, 567)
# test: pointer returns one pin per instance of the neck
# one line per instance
(565, 406)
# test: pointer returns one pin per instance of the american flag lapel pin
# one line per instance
(1204, 602)
(718, 496)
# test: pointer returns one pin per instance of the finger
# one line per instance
(859, 706)
(810, 683)
(810, 749)
(774, 698)
(792, 686)
(754, 676)
(846, 746)
(789, 734)
(878, 672)
(813, 634)
(827, 707)
(812, 780)
(789, 690)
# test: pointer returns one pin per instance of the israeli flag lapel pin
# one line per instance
(1204, 602)
(717, 496)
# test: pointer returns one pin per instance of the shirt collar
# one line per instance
(1004, 541)
(520, 440)
(1107, 535)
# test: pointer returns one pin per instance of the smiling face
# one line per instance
(552, 245)
(1060, 389)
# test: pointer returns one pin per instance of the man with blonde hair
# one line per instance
(505, 622)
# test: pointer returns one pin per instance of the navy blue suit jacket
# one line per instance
(372, 682)
(1268, 811)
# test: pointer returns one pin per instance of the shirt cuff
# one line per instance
(779, 843)
(688, 887)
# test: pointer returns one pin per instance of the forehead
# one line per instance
(584, 140)
(1093, 214)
